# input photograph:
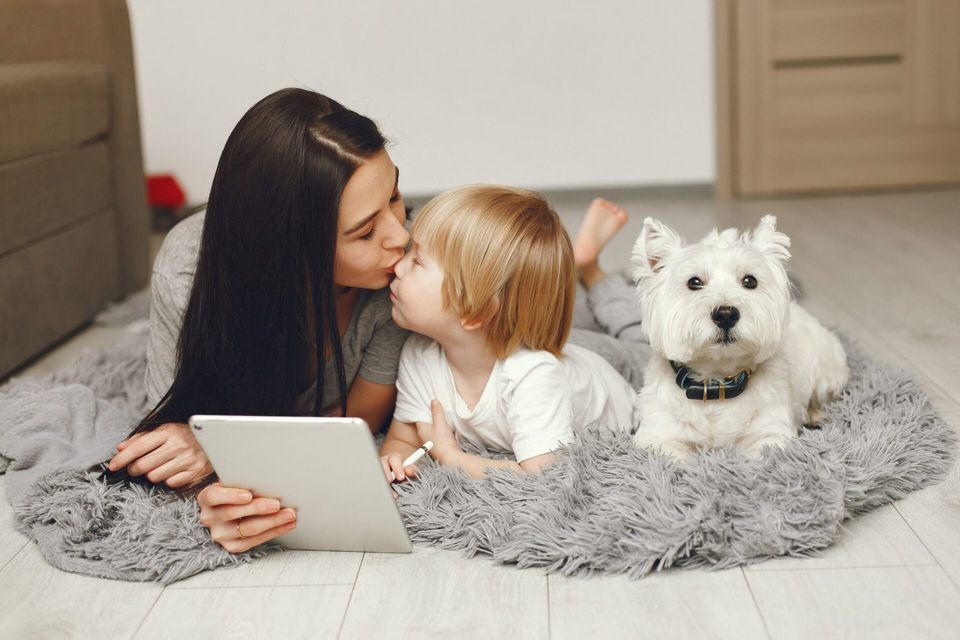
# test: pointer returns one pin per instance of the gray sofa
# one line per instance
(74, 222)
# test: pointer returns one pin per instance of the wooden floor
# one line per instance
(883, 268)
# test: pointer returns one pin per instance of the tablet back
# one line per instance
(325, 468)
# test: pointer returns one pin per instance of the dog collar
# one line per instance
(711, 389)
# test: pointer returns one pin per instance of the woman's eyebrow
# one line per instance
(363, 223)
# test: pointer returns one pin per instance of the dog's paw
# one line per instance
(673, 449)
(755, 450)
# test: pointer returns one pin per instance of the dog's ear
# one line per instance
(654, 244)
(773, 243)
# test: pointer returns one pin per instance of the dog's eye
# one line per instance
(749, 282)
(694, 284)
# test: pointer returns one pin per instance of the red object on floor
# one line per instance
(163, 190)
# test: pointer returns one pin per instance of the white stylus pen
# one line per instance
(413, 457)
(419, 453)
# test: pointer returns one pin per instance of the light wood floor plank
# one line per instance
(878, 539)
(432, 593)
(897, 303)
(674, 604)
(934, 515)
(11, 541)
(869, 339)
(908, 229)
(287, 568)
(39, 601)
(258, 612)
(892, 602)
(903, 242)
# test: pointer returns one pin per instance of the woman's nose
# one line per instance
(397, 237)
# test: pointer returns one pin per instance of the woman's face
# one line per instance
(371, 238)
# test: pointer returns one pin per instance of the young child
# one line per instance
(489, 284)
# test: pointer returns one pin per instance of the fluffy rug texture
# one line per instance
(54, 433)
(605, 507)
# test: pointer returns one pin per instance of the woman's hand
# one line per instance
(169, 454)
(238, 522)
(445, 445)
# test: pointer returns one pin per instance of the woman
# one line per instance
(276, 292)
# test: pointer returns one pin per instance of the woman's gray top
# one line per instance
(371, 344)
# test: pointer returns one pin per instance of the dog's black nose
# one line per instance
(725, 317)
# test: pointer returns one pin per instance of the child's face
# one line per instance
(417, 296)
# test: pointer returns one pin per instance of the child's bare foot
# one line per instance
(603, 220)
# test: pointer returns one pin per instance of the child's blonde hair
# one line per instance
(506, 261)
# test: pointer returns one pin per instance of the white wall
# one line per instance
(536, 93)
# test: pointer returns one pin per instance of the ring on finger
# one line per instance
(240, 533)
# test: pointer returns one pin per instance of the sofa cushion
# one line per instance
(49, 191)
(48, 105)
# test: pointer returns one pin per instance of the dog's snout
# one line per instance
(725, 317)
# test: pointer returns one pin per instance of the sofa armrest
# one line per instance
(97, 31)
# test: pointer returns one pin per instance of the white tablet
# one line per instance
(327, 469)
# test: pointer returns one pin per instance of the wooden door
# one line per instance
(823, 95)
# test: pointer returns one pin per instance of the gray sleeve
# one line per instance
(613, 302)
(170, 287)
(167, 306)
(381, 356)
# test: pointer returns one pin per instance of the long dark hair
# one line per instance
(263, 294)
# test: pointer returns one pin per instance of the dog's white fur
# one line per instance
(797, 364)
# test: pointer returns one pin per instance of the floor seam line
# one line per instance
(346, 609)
(756, 604)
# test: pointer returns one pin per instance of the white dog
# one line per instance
(736, 362)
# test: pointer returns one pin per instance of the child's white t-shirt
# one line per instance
(530, 404)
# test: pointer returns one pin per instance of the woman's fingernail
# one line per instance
(246, 495)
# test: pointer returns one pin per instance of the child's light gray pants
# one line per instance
(606, 320)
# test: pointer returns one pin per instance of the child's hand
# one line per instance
(443, 437)
(394, 470)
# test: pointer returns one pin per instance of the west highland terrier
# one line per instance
(736, 361)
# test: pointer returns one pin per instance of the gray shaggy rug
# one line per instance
(605, 507)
